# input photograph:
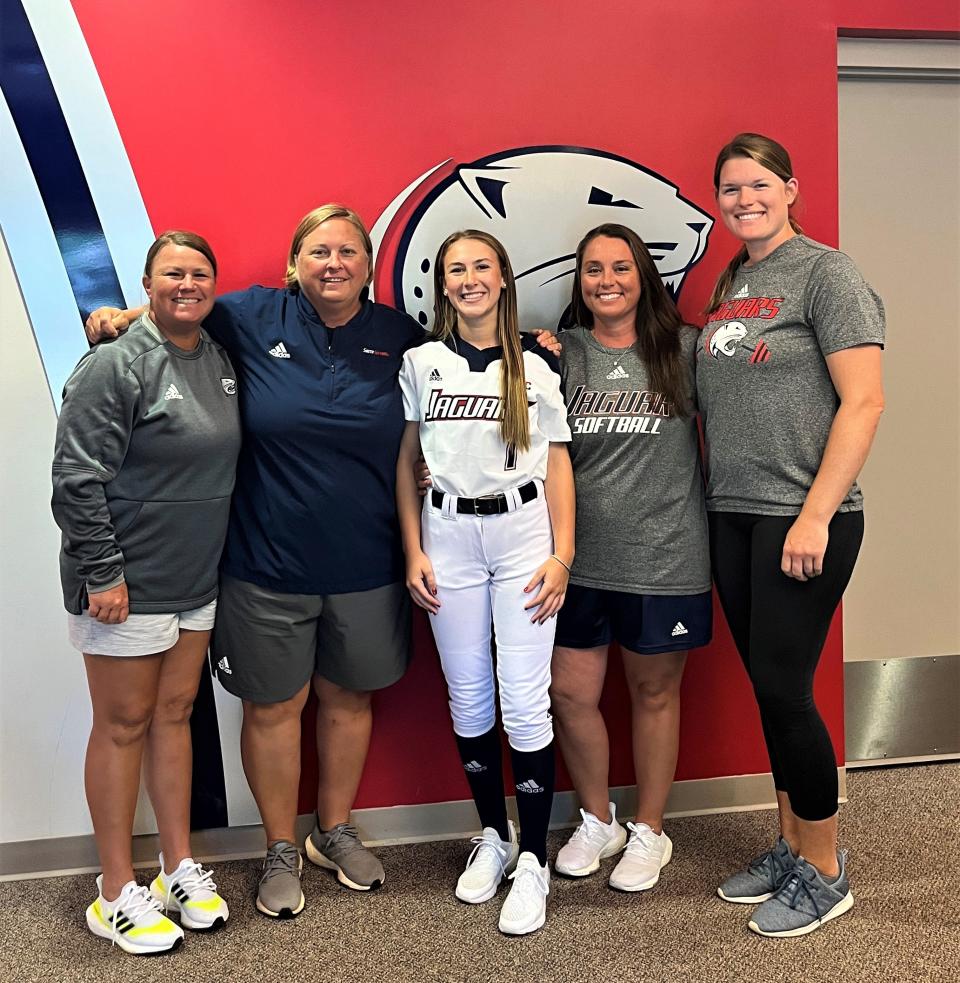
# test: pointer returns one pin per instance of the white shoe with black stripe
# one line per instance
(192, 891)
(135, 921)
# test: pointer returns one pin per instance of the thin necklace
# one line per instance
(619, 353)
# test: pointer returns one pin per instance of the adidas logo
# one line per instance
(529, 786)
(618, 373)
(678, 629)
(224, 666)
(280, 351)
(172, 392)
(474, 767)
(744, 291)
(435, 376)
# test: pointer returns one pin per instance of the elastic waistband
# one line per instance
(488, 504)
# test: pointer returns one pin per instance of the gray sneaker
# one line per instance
(762, 877)
(804, 902)
(340, 849)
(279, 894)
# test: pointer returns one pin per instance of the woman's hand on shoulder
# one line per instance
(804, 547)
(106, 322)
(547, 339)
(422, 583)
(552, 576)
(110, 607)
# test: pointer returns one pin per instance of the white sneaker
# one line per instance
(646, 855)
(525, 909)
(592, 841)
(191, 890)
(135, 921)
(491, 859)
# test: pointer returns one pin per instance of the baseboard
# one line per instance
(386, 826)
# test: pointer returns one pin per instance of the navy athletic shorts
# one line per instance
(644, 623)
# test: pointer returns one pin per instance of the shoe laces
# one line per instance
(772, 866)
(192, 878)
(345, 836)
(590, 829)
(529, 881)
(281, 858)
(135, 905)
(487, 850)
(795, 886)
(642, 839)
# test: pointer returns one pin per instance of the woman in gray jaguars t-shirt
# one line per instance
(641, 575)
(789, 386)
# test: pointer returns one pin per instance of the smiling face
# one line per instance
(181, 286)
(472, 279)
(333, 267)
(610, 281)
(754, 204)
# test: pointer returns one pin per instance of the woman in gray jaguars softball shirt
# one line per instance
(789, 384)
(146, 453)
(641, 576)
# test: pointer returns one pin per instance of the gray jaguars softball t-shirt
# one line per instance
(765, 394)
(641, 524)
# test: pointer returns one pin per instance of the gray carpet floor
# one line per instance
(901, 827)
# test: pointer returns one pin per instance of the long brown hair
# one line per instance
(514, 421)
(774, 157)
(658, 322)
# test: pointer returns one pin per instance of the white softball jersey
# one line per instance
(453, 390)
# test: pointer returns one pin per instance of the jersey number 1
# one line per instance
(510, 463)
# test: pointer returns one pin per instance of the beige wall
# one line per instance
(900, 220)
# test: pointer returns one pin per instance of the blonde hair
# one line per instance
(514, 420)
(309, 222)
(774, 157)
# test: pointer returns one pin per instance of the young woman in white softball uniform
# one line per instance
(491, 545)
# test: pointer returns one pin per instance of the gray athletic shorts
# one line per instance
(267, 645)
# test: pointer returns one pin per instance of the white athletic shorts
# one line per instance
(140, 634)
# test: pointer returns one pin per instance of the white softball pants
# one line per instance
(482, 564)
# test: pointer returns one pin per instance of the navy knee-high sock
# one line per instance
(533, 772)
(483, 764)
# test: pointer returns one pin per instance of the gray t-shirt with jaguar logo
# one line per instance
(765, 394)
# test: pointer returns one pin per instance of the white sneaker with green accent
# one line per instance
(525, 909)
(191, 890)
(135, 921)
(646, 855)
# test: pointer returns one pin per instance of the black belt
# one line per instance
(489, 504)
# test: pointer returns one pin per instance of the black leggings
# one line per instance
(779, 625)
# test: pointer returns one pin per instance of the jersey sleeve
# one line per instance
(409, 388)
(552, 410)
(842, 307)
(100, 403)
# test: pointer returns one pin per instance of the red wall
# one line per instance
(239, 116)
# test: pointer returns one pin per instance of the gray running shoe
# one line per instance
(340, 849)
(279, 894)
(804, 902)
(763, 876)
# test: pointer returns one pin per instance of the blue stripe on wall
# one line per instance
(53, 158)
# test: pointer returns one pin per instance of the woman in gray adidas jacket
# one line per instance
(146, 452)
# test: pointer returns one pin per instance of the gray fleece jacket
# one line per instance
(146, 453)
